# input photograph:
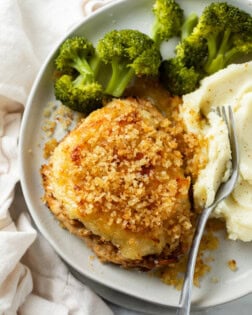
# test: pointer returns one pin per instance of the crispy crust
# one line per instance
(164, 178)
(105, 251)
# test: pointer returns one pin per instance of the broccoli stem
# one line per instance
(225, 43)
(217, 64)
(188, 26)
(95, 63)
(83, 67)
(218, 61)
(155, 32)
(212, 52)
(80, 81)
(232, 54)
(120, 78)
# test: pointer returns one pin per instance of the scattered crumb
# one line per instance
(214, 280)
(211, 242)
(49, 127)
(174, 273)
(91, 259)
(209, 259)
(64, 116)
(49, 147)
(216, 225)
(57, 114)
(232, 265)
(47, 112)
(201, 269)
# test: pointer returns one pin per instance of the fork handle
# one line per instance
(186, 293)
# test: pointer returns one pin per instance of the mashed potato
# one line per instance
(231, 86)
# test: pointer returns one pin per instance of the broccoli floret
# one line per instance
(192, 52)
(78, 95)
(169, 18)
(130, 53)
(222, 34)
(227, 31)
(78, 66)
(178, 78)
(181, 74)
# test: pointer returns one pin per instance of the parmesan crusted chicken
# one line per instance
(117, 181)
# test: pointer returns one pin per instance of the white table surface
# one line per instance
(242, 306)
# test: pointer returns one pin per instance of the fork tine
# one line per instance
(224, 116)
(233, 140)
(230, 123)
(223, 192)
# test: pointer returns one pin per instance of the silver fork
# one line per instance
(224, 190)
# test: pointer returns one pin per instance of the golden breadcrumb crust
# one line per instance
(118, 181)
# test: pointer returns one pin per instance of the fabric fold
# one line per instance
(28, 32)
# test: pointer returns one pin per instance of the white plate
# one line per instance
(231, 285)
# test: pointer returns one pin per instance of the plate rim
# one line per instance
(24, 186)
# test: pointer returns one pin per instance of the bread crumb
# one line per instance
(232, 265)
(214, 280)
(173, 274)
(49, 147)
(49, 127)
(64, 116)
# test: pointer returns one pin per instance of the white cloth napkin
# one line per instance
(41, 283)
(33, 279)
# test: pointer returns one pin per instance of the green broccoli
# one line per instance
(227, 31)
(181, 73)
(169, 18)
(188, 25)
(222, 34)
(192, 52)
(78, 66)
(177, 78)
(130, 53)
